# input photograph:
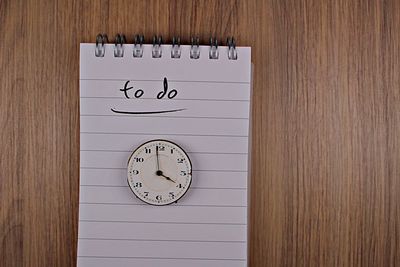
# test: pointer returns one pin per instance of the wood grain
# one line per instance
(325, 122)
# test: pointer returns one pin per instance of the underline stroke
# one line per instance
(146, 112)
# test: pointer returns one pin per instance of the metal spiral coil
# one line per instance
(157, 47)
(101, 40)
(214, 53)
(120, 40)
(194, 48)
(138, 45)
(176, 47)
(157, 50)
(232, 52)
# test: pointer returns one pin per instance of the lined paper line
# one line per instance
(214, 153)
(169, 80)
(160, 258)
(192, 187)
(175, 134)
(159, 222)
(116, 168)
(143, 204)
(165, 116)
(169, 100)
(165, 240)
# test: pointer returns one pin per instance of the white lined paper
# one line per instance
(194, 108)
(208, 226)
(205, 232)
(164, 126)
(205, 179)
(217, 162)
(198, 144)
(166, 262)
(104, 88)
(122, 195)
(170, 214)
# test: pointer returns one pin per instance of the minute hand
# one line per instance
(158, 162)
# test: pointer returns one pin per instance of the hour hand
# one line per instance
(160, 173)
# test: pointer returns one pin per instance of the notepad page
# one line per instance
(208, 226)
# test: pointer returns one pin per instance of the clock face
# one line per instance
(159, 172)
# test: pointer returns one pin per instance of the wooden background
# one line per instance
(325, 125)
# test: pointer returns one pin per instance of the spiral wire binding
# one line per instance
(194, 48)
(214, 54)
(138, 46)
(157, 51)
(232, 53)
(120, 40)
(176, 47)
(138, 41)
(100, 49)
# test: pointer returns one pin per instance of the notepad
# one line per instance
(208, 117)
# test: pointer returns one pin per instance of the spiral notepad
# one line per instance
(195, 95)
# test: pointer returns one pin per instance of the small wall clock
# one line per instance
(159, 172)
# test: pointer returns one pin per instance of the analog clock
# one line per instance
(159, 172)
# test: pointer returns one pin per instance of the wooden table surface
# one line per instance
(325, 183)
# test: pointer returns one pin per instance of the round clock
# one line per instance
(159, 172)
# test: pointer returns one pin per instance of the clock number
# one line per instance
(147, 150)
(138, 184)
(183, 173)
(172, 151)
(171, 194)
(159, 197)
(180, 186)
(161, 148)
(146, 194)
(138, 159)
(134, 172)
(180, 160)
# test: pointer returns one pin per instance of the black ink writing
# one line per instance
(171, 93)
(145, 112)
(138, 93)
